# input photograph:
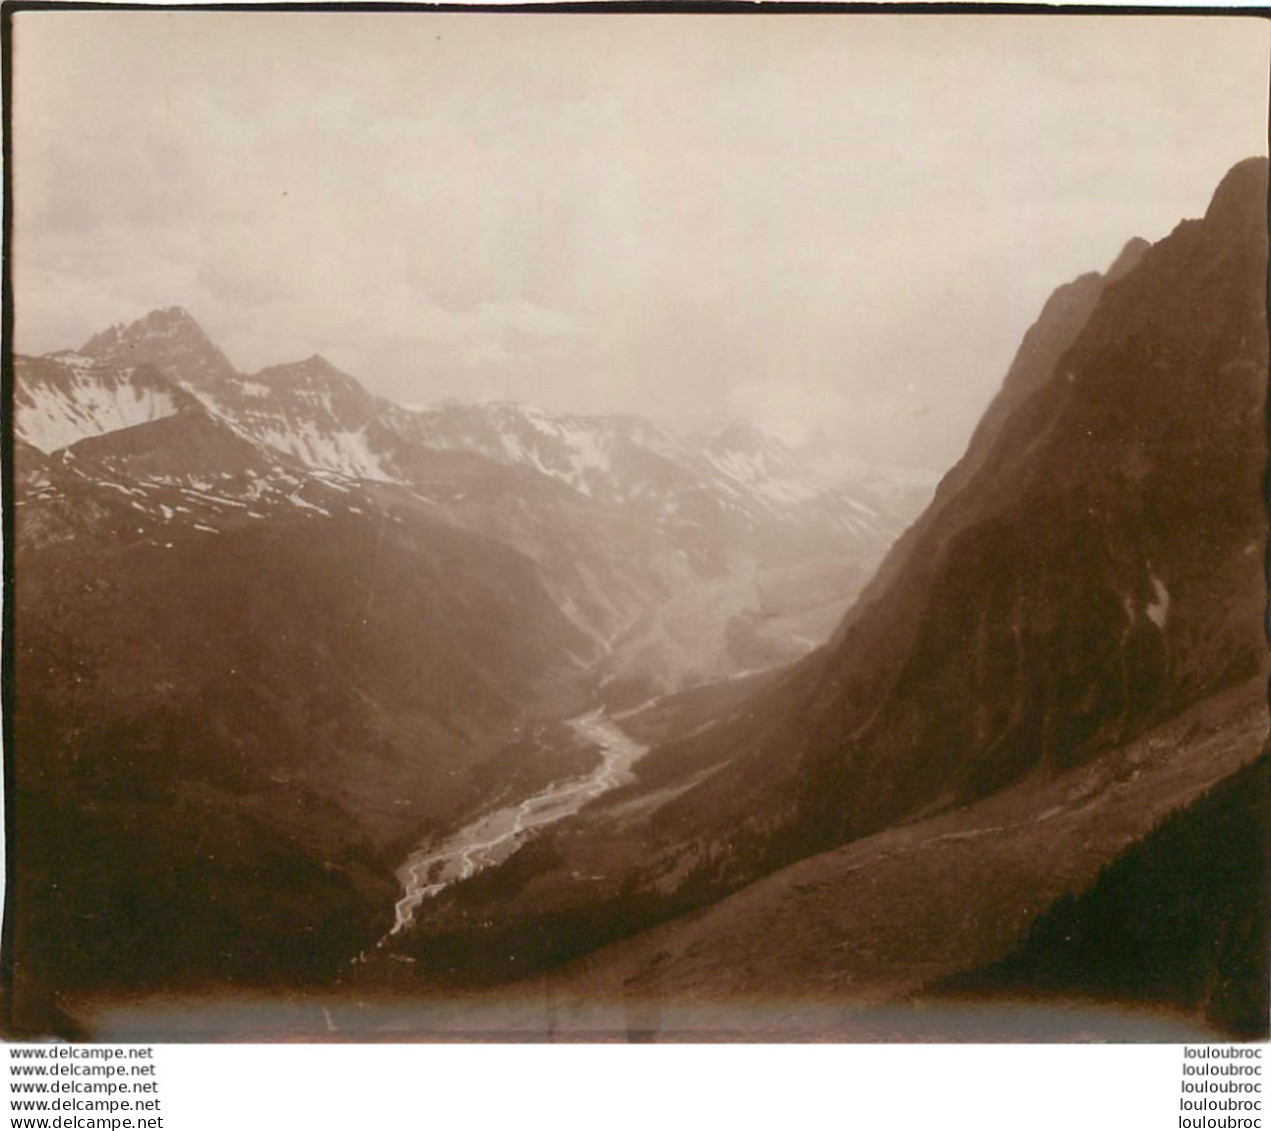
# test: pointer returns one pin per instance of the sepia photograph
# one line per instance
(636, 527)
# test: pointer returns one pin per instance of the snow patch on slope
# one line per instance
(1157, 611)
(348, 453)
(90, 403)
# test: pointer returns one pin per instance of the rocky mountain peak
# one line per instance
(171, 340)
(1127, 260)
(1241, 196)
(741, 436)
(172, 321)
(313, 370)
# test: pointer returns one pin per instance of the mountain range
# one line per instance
(272, 633)
(621, 516)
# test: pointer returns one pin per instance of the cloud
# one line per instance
(791, 410)
(686, 217)
(523, 319)
(491, 353)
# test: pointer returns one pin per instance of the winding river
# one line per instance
(491, 839)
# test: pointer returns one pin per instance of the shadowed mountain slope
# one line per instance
(1182, 916)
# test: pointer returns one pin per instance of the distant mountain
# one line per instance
(1068, 643)
(636, 532)
(172, 342)
(309, 409)
(729, 552)
(629, 459)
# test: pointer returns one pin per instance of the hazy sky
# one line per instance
(834, 222)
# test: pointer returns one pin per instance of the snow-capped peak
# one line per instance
(169, 339)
